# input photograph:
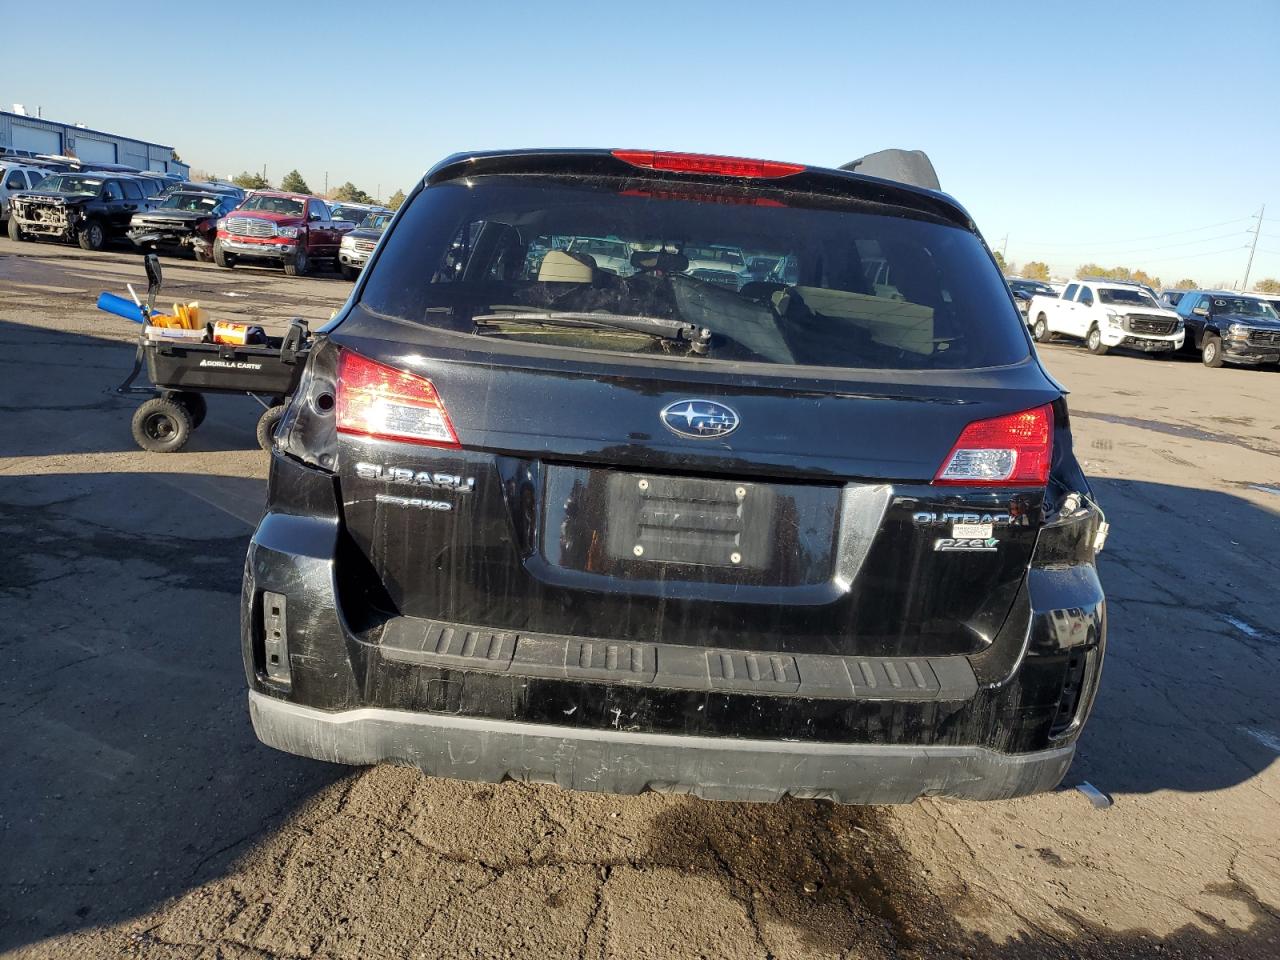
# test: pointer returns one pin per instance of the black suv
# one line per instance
(1229, 327)
(84, 208)
(530, 518)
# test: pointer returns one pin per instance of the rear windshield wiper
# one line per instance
(675, 330)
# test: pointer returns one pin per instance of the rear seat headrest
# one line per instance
(559, 266)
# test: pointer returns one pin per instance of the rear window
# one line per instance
(852, 285)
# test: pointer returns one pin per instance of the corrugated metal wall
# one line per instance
(36, 133)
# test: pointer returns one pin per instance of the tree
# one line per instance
(1141, 276)
(350, 193)
(1185, 284)
(1036, 270)
(1118, 273)
(1001, 262)
(396, 200)
(1269, 285)
(250, 181)
(293, 183)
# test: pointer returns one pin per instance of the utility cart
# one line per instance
(183, 371)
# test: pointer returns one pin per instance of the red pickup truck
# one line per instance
(289, 228)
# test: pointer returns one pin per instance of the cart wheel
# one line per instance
(267, 425)
(162, 426)
(195, 404)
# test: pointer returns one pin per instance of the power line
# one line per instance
(1153, 236)
(1168, 246)
(1202, 253)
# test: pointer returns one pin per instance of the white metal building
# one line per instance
(21, 132)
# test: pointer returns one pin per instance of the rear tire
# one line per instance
(267, 424)
(162, 426)
(1094, 342)
(299, 265)
(1211, 351)
(91, 236)
(195, 405)
(1040, 330)
(222, 258)
(201, 256)
(15, 231)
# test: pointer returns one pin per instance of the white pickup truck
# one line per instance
(1107, 314)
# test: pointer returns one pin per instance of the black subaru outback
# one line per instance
(536, 518)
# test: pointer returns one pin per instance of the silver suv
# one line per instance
(14, 178)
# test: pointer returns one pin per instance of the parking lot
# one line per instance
(140, 817)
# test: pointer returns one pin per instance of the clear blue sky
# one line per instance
(1111, 132)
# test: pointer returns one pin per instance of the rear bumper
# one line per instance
(613, 761)
(332, 678)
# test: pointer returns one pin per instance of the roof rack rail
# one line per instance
(912, 167)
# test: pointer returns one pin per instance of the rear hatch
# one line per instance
(530, 442)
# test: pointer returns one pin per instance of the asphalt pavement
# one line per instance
(140, 817)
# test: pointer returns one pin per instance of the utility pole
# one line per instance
(1253, 248)
(326, 183)
(1004, 245)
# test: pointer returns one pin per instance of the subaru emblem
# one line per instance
(699, 419)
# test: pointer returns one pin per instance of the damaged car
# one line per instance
(531, 519)
(357, 246)
(184, 220)
(86, 208)
(292, 230)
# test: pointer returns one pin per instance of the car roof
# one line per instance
(604, 162)
(282, 193)
(208, 186)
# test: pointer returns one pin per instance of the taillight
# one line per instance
(702, 163)
(382, 402)
(1008, 451)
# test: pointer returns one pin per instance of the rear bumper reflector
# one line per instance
(614, 761)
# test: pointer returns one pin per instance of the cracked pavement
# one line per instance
(140, 818)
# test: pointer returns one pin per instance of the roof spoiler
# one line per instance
(903, 166)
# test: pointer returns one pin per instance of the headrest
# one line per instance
(660, 260)
(561, 267)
